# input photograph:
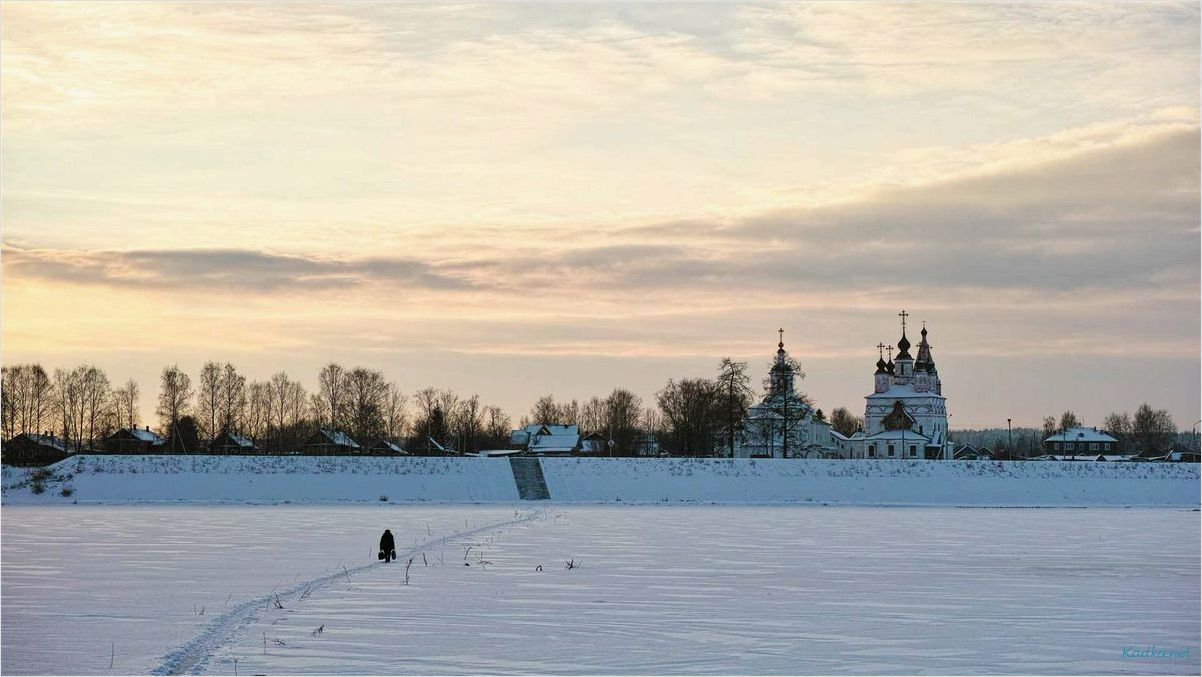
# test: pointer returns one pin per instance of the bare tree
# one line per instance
(622, 412)
(1049, 426)
(496, 426)
(469, 423)
(1069, 420)
(844, 422)
(365, 393)
(433, 420)
(125, 404)
(29, 401)
(96, 393)
(232, 399)
(208, 400)
(592, 416)
(68, 391)
(1119, 427)
(8, 403)
(545, 411)
(735, 386)
(175, 391)
(257, 421)
(691, 408)
(332, 391)
(287, 401)
(395, 415)
(1153, 429)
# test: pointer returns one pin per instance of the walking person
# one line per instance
(387, 547)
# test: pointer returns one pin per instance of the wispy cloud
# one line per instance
(245, 272)
(649, 182)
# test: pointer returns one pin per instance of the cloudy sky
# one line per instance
(520, 199)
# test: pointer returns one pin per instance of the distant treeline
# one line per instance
(1147, 431)
(689, 417)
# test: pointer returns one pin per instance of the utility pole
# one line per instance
(1009, 440)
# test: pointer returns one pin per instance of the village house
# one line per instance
(326, 442)
(968, 452)
(134, 441)
(231, 443)
(383, 447)
(1080, 441)
(546, 439)
(32, 449)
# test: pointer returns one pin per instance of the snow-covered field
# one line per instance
(312, 479)
(658, 589)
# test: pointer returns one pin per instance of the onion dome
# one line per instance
(924, 362)
(881, 367)
(904, 347)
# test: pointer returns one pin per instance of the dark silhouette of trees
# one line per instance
(28, 400)
(1152, 430)
(1069, 420)
(734, 385)
(693, 408)
(175, 392)
(184, 436)
(844, 422)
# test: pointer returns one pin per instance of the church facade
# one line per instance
(783, 425)
(905, 417)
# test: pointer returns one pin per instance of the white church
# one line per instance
(905, 417)
(782, 425)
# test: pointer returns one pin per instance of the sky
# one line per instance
(521, 199)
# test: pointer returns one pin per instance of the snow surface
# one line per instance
(658, 590)
(326, 479)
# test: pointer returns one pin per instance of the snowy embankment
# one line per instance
(266, 479)
(308, 479)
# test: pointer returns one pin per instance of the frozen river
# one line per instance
(657, 590)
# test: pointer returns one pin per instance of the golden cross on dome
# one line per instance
(903, 315)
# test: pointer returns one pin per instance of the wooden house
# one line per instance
(134, 441)
(383, 447)
(231, 443)
(32, 449)
(326, 442)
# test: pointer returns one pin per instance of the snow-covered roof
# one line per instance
(554, 443)
(890, 435)
(972, 454)
(145, 435)
(1086, 457)
(519, 438)
(44, 440)
(552, 429)
(390, 446)
(338, 437)
(236, 440)
(1081, 435)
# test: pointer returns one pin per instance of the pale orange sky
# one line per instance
(519, 199)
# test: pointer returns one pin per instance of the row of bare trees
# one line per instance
(78, 404)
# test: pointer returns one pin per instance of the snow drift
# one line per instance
(315, 479)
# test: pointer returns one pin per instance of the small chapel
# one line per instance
(783, 425)
(905, 417)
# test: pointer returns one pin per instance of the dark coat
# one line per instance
(387, 545)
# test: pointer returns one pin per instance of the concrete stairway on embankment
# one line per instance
(528, 475)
